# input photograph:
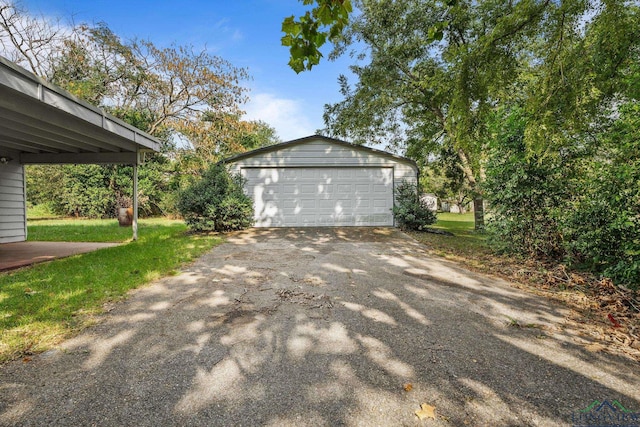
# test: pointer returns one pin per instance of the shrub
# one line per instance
(94, 191)
(410, 211)
(216, 202)
(602, 232)
(527, 193)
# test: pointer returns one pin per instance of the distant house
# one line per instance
(431, 200)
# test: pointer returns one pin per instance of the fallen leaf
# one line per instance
(426, 411)
(408, 387)
(26, 359)
(594, 347)
(613, 320)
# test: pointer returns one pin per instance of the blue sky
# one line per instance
(245, 32)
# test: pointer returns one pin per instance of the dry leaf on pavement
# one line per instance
(426, 411)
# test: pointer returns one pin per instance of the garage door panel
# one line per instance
(290, 189)
(379, 203)
(326, 204)
(364, 204)
(289, 204)
(305, 173)
(308, 204)
(307, 188)
(345, 188)
(321, 196)
(326, 190)
(343, 203)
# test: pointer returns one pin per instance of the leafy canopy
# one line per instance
(308, 33)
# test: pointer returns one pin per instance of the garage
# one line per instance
(318, 181)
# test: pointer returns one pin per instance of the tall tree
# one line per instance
(27, 40)
(433, 70)
(174, 93)
(430, 72)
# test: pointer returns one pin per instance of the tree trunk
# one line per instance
(478, 203)
(478, 213)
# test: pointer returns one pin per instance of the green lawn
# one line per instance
(46, 303)
(41, 211)
(465, 242)
(90, 230)
(459, 224)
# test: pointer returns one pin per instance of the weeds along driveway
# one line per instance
(321, 327)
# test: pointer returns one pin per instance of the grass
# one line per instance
(466, 241)
(46, 303)
(88, 230)
(41, 211)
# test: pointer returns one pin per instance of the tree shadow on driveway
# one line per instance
(321, 327)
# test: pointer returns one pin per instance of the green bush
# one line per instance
(410, 211)
(216, 202)
(580, 204)
(602, 232)
(94, 191)
(527, 193)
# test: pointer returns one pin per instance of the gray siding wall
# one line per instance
(13, 209)
(322, 153)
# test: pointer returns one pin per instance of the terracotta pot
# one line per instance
(125, 217)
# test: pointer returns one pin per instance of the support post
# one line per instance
(134, 224)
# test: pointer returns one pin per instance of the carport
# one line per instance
(41, 123)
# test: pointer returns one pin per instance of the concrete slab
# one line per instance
(21, 254)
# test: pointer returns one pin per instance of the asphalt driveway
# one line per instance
(323, 327)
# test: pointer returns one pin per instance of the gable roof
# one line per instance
(46, 124)
(307, 139)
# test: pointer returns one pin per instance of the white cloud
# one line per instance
(287, 116)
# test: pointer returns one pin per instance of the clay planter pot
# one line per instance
(125, 217)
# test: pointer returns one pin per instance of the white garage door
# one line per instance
(307, 197)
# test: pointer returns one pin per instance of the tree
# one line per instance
(431, 73)
(577, 69)
(434, 71)
(442, 176)
(259, 134)
(310, 32)
(410, 209)
(29, 41)
(528, 194)
(173, 93)
(174, 88)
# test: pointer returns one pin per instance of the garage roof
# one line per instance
(46, 124)
(306, 139)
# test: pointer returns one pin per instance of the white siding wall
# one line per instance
(323, 153)
(13, 223)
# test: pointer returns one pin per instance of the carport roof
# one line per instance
(316, 137)
(46, 124)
